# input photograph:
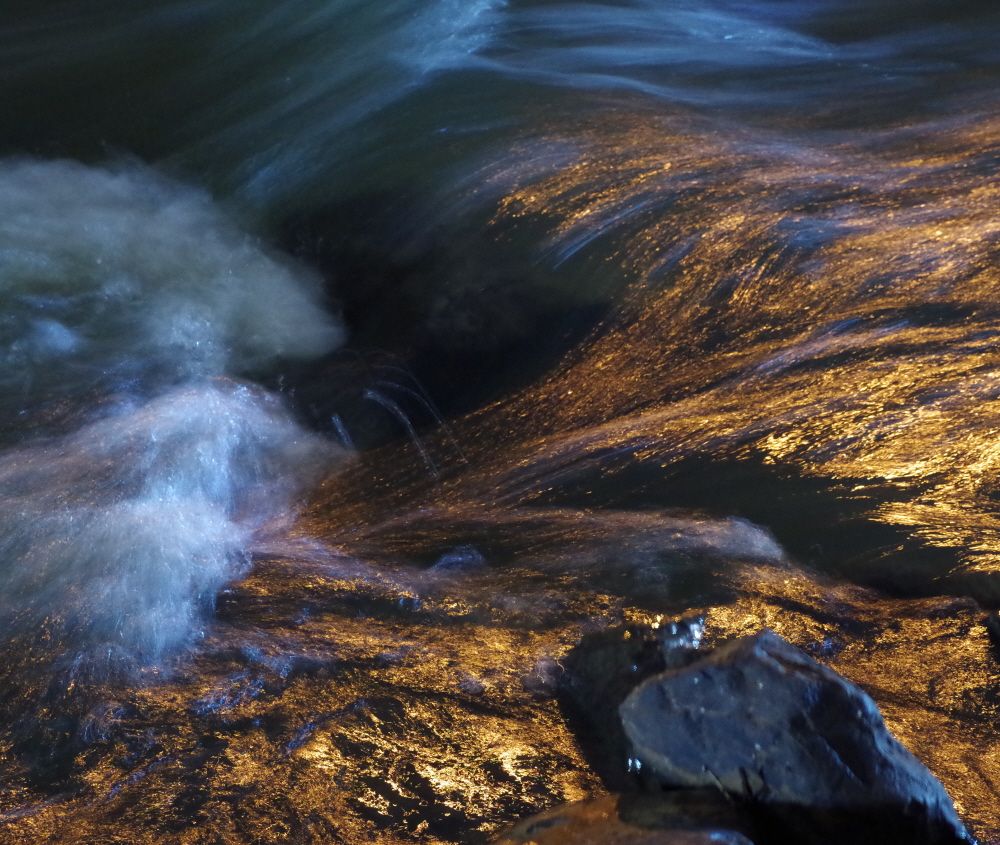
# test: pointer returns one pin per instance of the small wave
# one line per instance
(114, 540)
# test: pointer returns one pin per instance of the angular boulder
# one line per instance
(765, 722)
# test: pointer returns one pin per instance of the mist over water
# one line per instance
(358, 358)
(118, 275)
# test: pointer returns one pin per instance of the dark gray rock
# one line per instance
(601, 670)
(992, 624)
(763, 721)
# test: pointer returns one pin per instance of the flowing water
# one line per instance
(360, 357)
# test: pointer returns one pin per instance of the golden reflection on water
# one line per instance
(831, 309)
(412, 733)
(834, 311)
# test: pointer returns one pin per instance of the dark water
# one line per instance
(358, 358)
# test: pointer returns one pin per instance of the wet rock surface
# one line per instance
(341, 720)
(763, 721)
(606, 821)
(992, 625)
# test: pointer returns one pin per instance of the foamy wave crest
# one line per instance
(128, 301)
(114, 540)
(120, 273)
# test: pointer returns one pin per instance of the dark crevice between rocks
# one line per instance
(598, 675)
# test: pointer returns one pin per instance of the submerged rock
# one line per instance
(763, 721)
(690, 809)
(602, 822)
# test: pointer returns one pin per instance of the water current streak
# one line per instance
(708, 291)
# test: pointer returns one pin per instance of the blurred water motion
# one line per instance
(831, 310)
(650, 309)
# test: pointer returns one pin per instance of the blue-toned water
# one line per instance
(358, 358)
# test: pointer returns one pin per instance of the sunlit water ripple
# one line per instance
(358, 359)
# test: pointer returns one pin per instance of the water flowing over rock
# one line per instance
(378, 379)
(603, 822)
(764, 721)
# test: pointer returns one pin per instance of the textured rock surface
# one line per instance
(764, 721)
(599, 822)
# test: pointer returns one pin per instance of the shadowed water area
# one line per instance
(360, 358)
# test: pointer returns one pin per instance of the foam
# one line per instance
(114, 540)
(106, 270)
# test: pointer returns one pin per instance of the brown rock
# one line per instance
(597, 822)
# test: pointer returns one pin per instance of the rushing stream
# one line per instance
(360, 356)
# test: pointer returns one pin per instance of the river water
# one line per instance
(359, 358)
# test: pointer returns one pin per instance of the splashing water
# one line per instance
(112, 274)
(115, 539)
(715, 280)
(127, 298)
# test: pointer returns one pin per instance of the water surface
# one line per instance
(360, 358)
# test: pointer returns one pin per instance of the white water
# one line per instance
(125, 294)
(119, 270)
(115, 539)
(132, 299)
(761, 348)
